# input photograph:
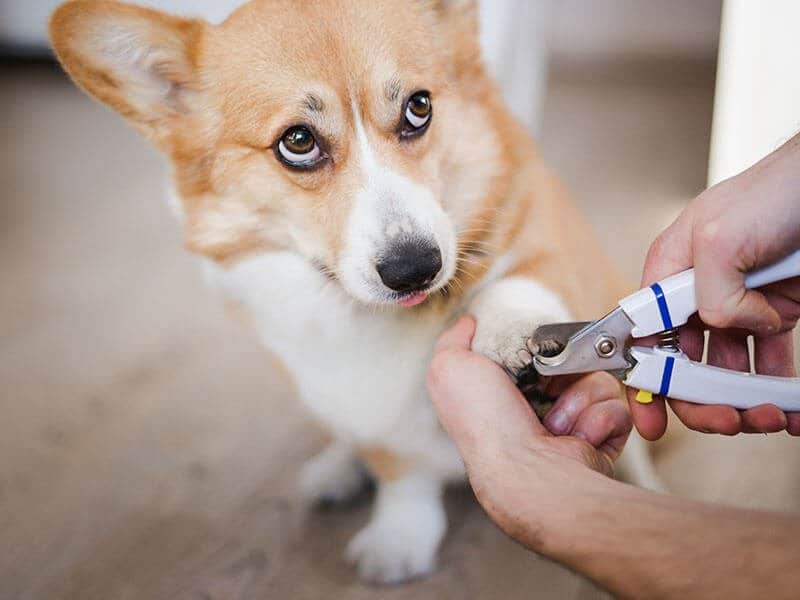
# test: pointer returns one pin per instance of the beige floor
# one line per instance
(148, 446)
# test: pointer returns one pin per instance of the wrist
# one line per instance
(575, 500)
(547, 507)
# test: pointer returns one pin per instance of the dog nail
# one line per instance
(550, 347)
(524, 356)
(532, 346)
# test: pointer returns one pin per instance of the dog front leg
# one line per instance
(407, 525)
(334, 476)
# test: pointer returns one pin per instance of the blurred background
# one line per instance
(148, 446)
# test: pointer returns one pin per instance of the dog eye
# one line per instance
(418, 113)
(298, 147)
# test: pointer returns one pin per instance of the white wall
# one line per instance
(25, 21)
(757, 105)
(611, 29)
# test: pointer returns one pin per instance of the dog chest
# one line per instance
(361, 370)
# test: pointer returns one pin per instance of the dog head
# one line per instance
(362, 135)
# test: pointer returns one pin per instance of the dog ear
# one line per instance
(456, 4)
(139, 61)
(460, 14)
(460, 20)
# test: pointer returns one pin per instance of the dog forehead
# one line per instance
(274, 49)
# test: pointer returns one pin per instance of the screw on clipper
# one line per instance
(605, 346)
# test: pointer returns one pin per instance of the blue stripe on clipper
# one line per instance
(666, 376)
(662, 306)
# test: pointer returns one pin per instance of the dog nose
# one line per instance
(409, 266)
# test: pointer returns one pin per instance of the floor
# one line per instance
(148, 446)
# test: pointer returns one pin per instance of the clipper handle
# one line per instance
(672, 374)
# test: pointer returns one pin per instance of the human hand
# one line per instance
(516, 465)
(746, 222)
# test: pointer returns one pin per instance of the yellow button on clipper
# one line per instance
(644, 397)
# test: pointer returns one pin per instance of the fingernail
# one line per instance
(557, 421)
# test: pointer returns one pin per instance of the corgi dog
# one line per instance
(349, 175)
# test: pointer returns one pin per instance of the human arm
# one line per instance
(554, 496)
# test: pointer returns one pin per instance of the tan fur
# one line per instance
(566, 255)
(384, 464)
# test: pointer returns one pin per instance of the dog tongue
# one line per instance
(413, 299)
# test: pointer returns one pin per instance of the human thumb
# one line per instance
(478, 405)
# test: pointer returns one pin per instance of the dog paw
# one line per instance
(389, 553)
(333, 477)
(508, 343)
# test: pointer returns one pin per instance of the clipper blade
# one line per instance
(549, 340)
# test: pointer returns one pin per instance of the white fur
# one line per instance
(125, 51)
(359, 370)
(362, 373)
(402, 538)
(334, 475)
(387, 205)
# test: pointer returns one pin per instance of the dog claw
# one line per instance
(545, 347)
(525, 357)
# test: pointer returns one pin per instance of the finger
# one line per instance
(605, 425)
(741, 308)
(476, 402)
(650, 419)
(458, 337)
(708, 419)
(692, 339)
(588, 390)
(722, 299)
(556, 386)
(671, 252)
(775, 355)
(793, 423)
(766, 418)
(728, 350)
(784, 297)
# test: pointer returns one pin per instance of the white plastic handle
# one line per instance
(672, 374)
(670, 302)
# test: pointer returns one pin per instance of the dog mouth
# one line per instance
(412, 299)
